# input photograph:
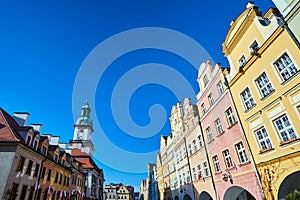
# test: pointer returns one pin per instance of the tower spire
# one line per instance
(83, 129)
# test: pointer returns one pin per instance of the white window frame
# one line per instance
(195, 146)
(211, 99)
(205, 80)
(240, 149)
(218, 126)
(247, 98)
(220, 87)
(287, 128)
(200, 175)
(206, 169)
(227, 159)
(263, 138)
(230, 116)
(209, 134)
(203, 108)
(288, 68)
(200, 141)
(242, 61)
(194, 174)
(264, 85)
(216, 164)
(190, 149)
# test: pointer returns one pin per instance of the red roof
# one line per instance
(86, 164)
(77, 152)
(7, 125)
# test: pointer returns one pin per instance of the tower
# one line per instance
(83, 129)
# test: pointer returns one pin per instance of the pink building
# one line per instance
(233, 170)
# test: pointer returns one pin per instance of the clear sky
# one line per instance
(43, 45)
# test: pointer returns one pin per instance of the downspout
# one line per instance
(206, 152)
(245, 138)
(188, 160)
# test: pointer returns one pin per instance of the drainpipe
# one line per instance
(206, 152)
(188, 160)
(246, 140)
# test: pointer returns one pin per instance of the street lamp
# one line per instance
(227, 176)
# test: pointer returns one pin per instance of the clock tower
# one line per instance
(83, 129)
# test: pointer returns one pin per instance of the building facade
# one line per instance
(290, 10)
(264, 83)
(231, 163)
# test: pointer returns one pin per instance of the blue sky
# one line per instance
(44, 43)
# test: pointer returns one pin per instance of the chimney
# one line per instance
(250, 4)
(21, 118)
(36, 127)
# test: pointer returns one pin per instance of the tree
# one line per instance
(293, 196)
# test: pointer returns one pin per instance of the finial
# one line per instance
(87, 101)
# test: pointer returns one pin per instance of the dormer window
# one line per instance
(55, 158)
(242, 61)
(254, 48)
(205, 80)
(44, 150)
(35, 144)
(28, 140)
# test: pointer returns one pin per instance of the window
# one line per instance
(200, 141)
(28, 140)
(227, 159)
(55, 158)
(199, 172)
(264, 85)
(242, 61)
(206, 170)
(195, 145)
(220, 87)
(188, 177)
(180, 180)
(211, 99)
(60, 178)
(190, 149)
(56, 177)
(49, 175)
(284, 128)
(43, 172)
(35, 144)
(217, 164)
(247, 99)
(285, 67)
(209, 134)
(14, 191)
(254, 48)
(263, 138)
(218, 126)
(205, 80)
(21, 164)
(63, 162)
(241, 152)
(36, 170)
(29, 167)
(194, 174)
(230, 116)
(23, 192)
(44, 150)
(203, 108)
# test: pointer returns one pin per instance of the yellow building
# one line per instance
(265, 86)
